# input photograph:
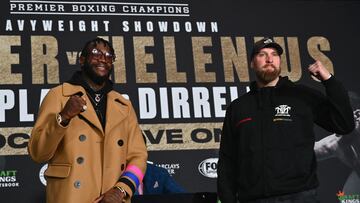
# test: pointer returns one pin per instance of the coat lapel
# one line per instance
(117, 110)
(89, 115)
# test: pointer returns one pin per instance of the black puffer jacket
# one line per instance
(267, 140)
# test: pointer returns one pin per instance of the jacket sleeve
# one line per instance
(334, 112)
(47, 133)
(170, 185)
(227, 163)
(136, 157)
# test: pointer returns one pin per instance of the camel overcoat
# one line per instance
(85, 160)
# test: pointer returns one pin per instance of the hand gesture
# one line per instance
(318, 70)
(73, 107)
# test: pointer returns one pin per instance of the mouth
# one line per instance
(100, 65)
(101, 68)
(269, 67)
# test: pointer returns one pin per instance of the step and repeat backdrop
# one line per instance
(181, 63)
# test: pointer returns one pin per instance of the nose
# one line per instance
(269, 58)
(102, 58)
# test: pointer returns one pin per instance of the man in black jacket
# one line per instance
(266, 150)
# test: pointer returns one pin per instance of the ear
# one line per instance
(82, 60)
(252, 64)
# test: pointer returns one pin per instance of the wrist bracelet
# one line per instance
(61, 121)
(121, 190)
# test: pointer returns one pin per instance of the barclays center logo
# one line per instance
(208, 167)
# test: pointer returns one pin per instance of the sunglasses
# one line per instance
(97, 54)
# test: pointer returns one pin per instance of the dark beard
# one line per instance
(92, 75)
(266, 77)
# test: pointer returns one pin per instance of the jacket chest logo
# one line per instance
(282, 110)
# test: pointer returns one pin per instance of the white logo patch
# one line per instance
(282, 110)
(268, 41)
(156, 185)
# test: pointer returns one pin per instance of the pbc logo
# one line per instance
(282, 110)
(208, 167)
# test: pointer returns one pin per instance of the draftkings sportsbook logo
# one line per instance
(8, 179)
(347, 198)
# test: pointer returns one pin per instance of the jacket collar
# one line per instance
(77, 79)
(283, 81)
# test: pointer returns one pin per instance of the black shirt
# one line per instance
(98, 98)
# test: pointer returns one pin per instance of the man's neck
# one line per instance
(94, 86)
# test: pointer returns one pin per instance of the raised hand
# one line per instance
(75, 105)
(319, 71)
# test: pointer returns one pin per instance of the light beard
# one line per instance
(99, 80)
(265, 77)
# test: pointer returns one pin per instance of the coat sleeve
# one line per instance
(136, 157)
(334, 112)
(227, 163)
(47, 133)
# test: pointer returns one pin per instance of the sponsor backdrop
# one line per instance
(180, 62)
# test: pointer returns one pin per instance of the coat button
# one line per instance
(80, 160)
(82, 138)
(122, 167)
(120, 143)
(77, 184)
